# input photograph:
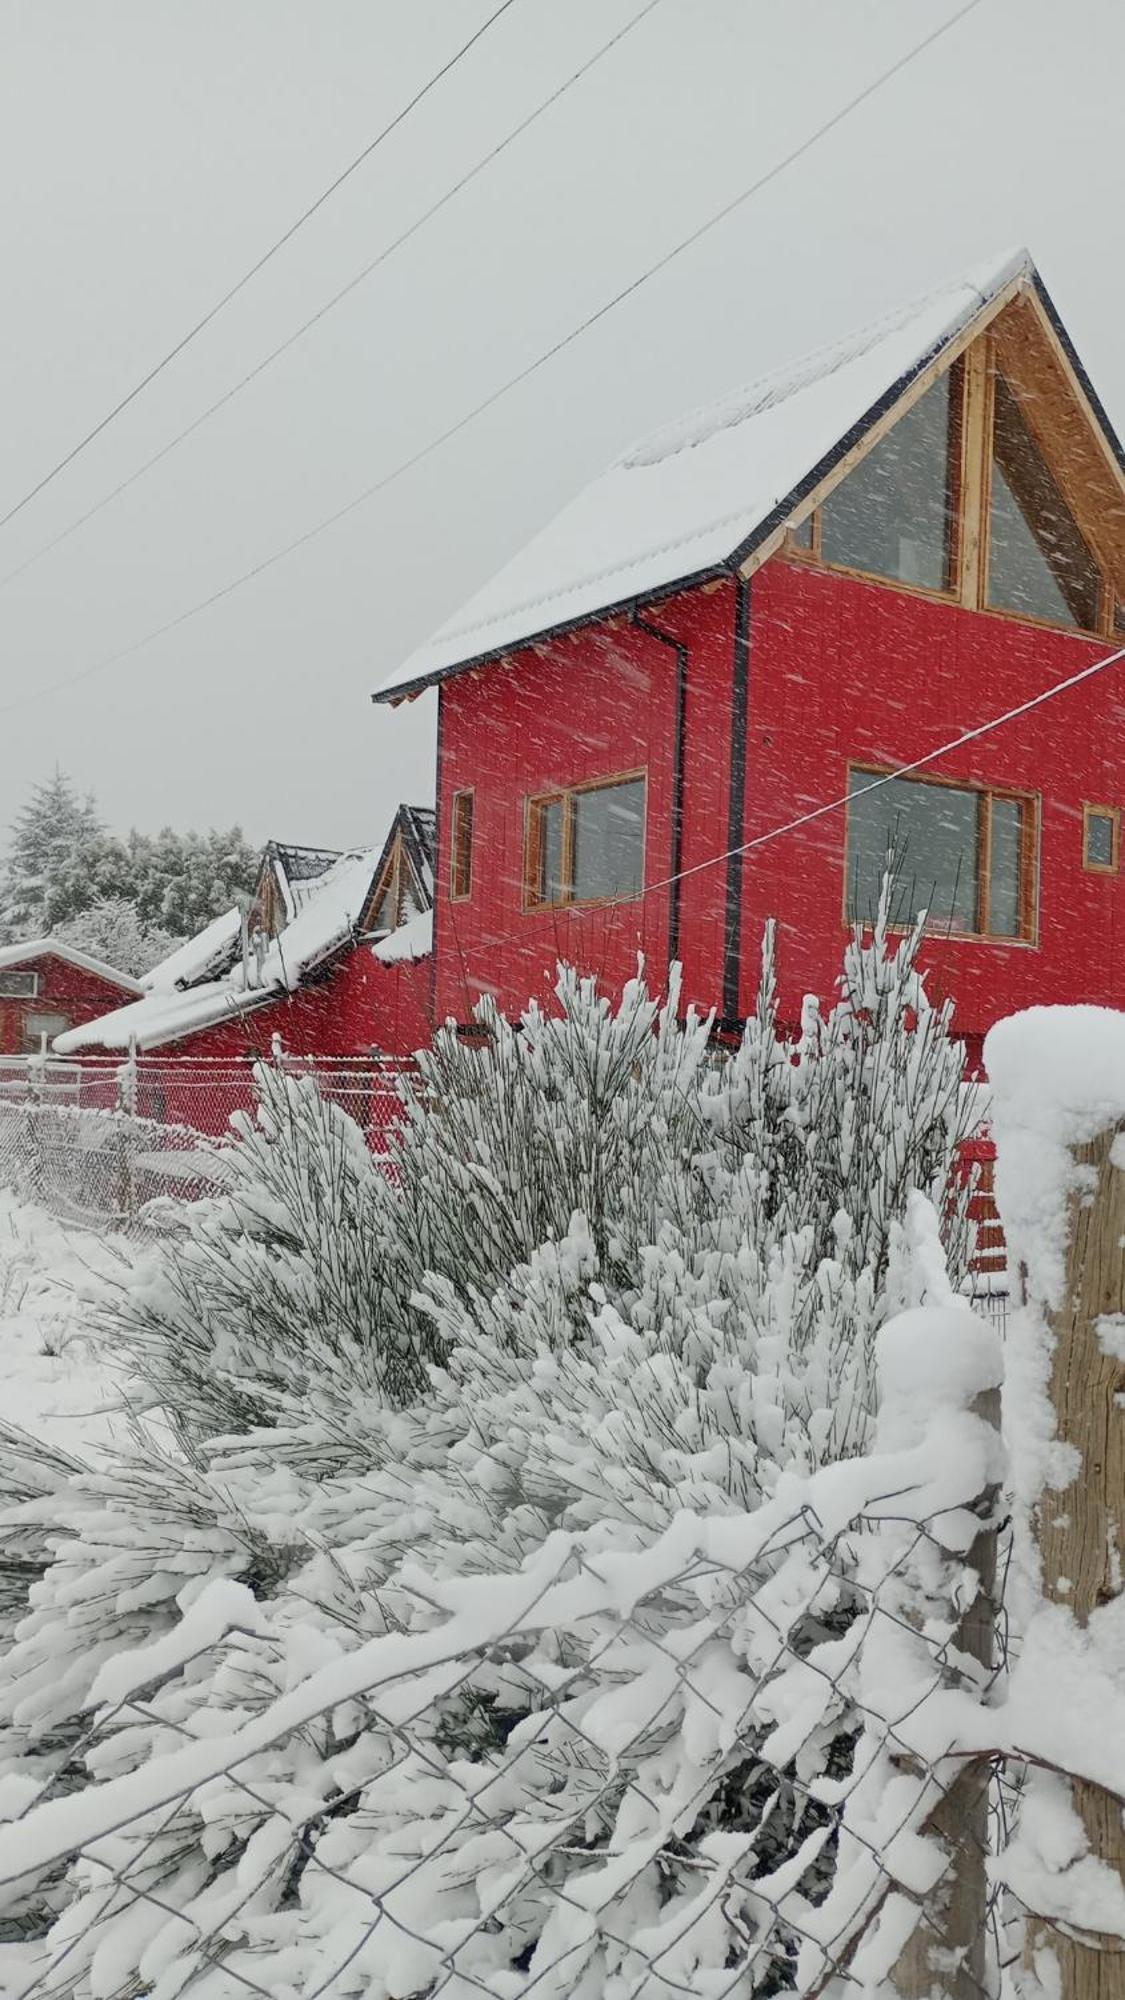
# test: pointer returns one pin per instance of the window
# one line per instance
(965, 856)
(586, 845)
(960, 499)
(35, 1026)
(461, 847)
(893, 515)
(19, 985)
(1038, 564)
(1101, 839)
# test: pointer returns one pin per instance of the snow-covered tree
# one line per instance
(113, 930)
(608, 1277)
(62, 863)
(180, 881)
(60, 860)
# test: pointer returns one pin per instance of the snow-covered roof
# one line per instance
(298, 870)
(697, 497)
(320, 927)
(413, 939)
(211, 952)
(52, 947)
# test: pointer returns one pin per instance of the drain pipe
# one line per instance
(675, 858)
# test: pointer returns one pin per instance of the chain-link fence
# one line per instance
(99, 1142)
(722, 1765)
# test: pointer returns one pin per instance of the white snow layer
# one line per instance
(413, 939)
(51, 947)
(323, 923)
(686, 498)
(193, 958)
(51, 1385)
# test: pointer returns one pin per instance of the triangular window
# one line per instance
(893, 516)
(1038, 563)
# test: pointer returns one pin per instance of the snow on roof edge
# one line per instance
(46, 947)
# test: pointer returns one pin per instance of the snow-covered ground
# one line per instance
(51, 1383)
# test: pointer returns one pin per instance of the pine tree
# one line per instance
(60, 860)
(607, 1279)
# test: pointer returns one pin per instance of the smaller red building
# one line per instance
(332, 959)
(47, 987)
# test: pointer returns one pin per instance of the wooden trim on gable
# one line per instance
(830, 474)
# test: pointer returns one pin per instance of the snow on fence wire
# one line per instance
(98, 1141)
(753, 1756)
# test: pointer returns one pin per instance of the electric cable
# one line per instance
(266, 258)
(524, 374)
(337, 298)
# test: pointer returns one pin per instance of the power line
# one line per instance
(268, 255)
(345, 291)
(488, 402)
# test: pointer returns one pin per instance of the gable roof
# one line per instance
(204, 982)
(322, 926)
(705, 496)
(414, 831)
(296, 870)
(52, 947)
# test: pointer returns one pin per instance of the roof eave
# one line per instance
(654, 594)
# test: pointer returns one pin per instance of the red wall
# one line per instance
(584, 706)
(63, 989)
(842, 669)
(838, 669)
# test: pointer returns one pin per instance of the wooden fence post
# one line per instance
(945, 1953)
(1081, 1528)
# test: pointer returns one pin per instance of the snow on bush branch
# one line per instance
(611, 1283)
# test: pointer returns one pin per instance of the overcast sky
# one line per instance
(152, 149)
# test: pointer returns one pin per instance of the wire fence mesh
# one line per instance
(676, 1771)
(102, 1142)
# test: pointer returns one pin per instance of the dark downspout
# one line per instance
(740, 693)
(676, 852)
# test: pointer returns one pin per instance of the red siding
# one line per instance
(63, 989)
(842, 669)
(838, 669)
(585, 706)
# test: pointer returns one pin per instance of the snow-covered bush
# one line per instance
(610, 1275)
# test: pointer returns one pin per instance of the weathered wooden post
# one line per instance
(1081, 1527)
(946, 1951)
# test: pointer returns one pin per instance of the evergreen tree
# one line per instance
(607, 1279)
(62, 863)
(60, 860)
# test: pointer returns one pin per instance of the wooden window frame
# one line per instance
(461, 844)
(1113, 814)
(30, 992)
(1030, 814)
(972, 415)
(565, 795)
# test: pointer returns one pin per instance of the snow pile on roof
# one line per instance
(322, 924)
(298, 871)
(692, 498)
(211, 952)
(51, 947)
(413, 939)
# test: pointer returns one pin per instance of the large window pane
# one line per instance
(928, 836)
(1004, 866)
(892, 515)
(609, 841)
(1038, 564)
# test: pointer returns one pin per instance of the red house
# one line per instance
(333, 957)
(47, 986)
(676, 713)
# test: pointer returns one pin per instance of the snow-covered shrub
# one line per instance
(113, 930)
(610, 1276)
